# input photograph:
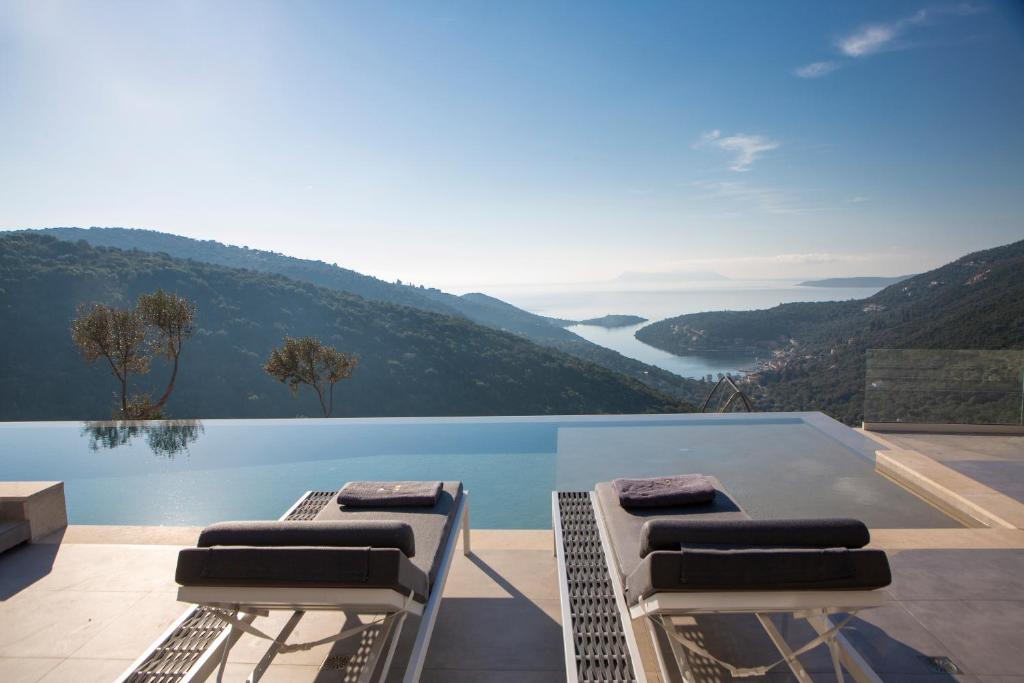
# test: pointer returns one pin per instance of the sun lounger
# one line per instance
(713, 559)
(387, 561)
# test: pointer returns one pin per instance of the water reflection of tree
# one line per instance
(165, 438)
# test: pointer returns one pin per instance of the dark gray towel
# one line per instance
(682, 489)
(367, 494)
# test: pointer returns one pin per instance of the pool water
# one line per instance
(194, 473)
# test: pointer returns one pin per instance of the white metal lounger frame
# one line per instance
(813, 606)
(251, 602)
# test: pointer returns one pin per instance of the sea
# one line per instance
(581, 302)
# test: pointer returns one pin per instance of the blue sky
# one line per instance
(467, 144)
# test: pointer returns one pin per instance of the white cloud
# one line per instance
(868, 40)
(857, 199)
(816, 69)
(745, 148)
(882, 36)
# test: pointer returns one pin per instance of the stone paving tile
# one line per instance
(87, 670)
(127, 636)
(497, 633)
(280, 673)
(1004, 476)
(58, 623)
(893, 642)
(490, 676)
(494, 573)
(983, 636)
(957, 574)
(26, 669)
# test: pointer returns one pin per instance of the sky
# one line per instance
(466, 144)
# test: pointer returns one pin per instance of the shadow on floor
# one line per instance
(741, 641)
(25, 564)
(474, 634)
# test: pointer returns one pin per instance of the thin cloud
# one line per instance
(883, 37)
(868, 40)
(765, 199)
(816, 69)
(745, 148)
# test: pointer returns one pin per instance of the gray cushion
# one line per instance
(430, 525)
(329, 565)
(670, 534)
(342, 533)
(625, 527)
(300, 566)
(758, 569)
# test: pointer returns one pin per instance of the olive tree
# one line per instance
(128, 337)
(119, 336)
(169, 318)
(309, 361)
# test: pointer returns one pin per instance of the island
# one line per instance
(855, 281)
(613, 321)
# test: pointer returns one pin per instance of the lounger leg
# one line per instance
(393, 637)
(855, 664)
(268, 656)
(679, 655)
(783, 647)
(465, 525)
(381, 640)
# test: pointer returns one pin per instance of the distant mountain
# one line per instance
(854, 281)
(667, 277)
(614, 321)
(479, 308)
(412, 362)
(818, 349)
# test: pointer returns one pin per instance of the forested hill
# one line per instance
(479, 308)
(412, 362)
(976, 302)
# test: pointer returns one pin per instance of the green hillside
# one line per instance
(817, 350)
(479, 308)
(412, 362)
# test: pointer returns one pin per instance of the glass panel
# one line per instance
(941, 386)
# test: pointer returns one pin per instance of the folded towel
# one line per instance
(683, 489)
(366, 494)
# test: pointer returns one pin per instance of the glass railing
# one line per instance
(941, 386)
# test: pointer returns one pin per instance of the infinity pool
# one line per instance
(193, 473)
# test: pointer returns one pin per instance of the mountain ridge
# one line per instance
(479, 308)
(412, 362)
(816, 350)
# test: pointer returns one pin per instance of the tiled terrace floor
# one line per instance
(83, 609)
(994, 460)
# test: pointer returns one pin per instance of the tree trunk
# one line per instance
(330, 402)
(170, 385)
(320, 395)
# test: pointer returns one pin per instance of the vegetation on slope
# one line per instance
(818, 349)
(412, 362)
(479, 308)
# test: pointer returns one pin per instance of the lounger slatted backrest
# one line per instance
(596, 647)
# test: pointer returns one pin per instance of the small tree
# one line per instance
(169, 317)
(127, 338)
(117, 335)
(308, 361)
